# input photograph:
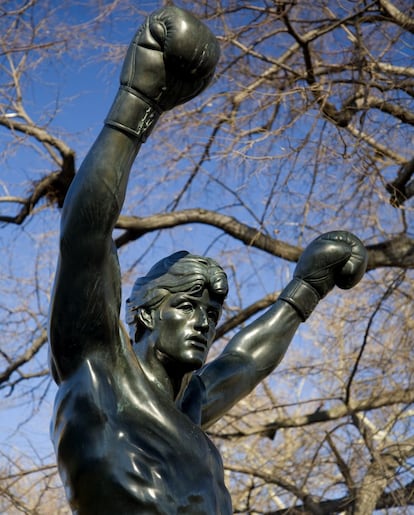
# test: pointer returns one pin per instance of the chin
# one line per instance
(192, 363)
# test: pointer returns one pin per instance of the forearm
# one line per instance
(265, 341)
(247, 359)
(97, 193)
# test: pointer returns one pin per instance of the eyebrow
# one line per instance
(214, 304)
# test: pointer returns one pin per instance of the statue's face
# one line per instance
(184, 327)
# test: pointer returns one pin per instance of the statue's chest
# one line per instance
(145, 446)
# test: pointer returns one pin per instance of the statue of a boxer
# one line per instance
(130, 410)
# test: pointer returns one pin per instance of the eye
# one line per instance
(187, 307)
(213, 315)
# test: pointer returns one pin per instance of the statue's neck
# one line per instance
(164, 374)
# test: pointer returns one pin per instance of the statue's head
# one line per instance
(178, 273)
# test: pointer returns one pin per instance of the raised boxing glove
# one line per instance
(170, 60)
(336, 258)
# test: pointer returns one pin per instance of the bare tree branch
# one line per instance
(17, 362)
(390, 398)
(398, 252)
(398, 16)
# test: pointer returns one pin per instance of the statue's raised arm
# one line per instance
(336, 258)
(170, 60)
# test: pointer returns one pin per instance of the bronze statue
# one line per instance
(130, 410)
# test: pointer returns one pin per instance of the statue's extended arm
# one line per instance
(335, 258)
(170, 60)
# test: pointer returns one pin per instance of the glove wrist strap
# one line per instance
(302, 296)
(133, 113)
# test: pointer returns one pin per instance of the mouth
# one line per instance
(199, 342)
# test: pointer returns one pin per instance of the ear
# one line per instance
(146, 318)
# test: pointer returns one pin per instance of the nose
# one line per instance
(201, 322)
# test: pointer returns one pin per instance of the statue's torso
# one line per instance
(124, 448)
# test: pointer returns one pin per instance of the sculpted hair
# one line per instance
(179, 272)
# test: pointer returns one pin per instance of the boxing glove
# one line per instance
(170, 60)
(336, 258)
